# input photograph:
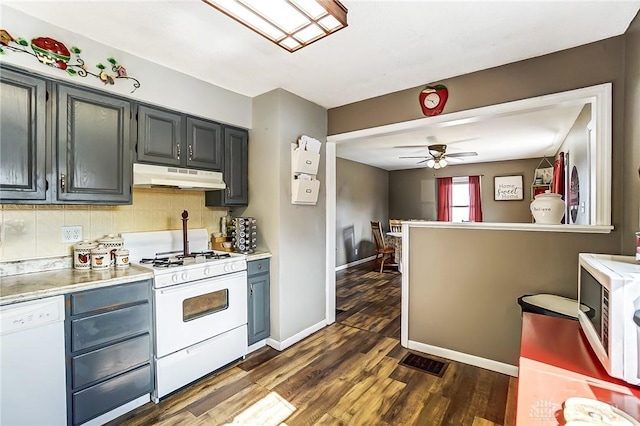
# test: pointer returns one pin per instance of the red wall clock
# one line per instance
(433, 99)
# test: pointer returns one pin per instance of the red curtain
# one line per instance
(445, 202)
(475, 199)
(558, 175)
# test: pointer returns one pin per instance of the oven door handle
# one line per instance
(179, 288)
(219, 280)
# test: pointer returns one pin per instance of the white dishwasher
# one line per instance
(32, 367)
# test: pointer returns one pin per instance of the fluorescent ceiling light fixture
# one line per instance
(291, 24)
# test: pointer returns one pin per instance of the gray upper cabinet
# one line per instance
(174, 139)
(93, 162)
(22, 138)
(160, 136)
(204, 144)
(236, 170)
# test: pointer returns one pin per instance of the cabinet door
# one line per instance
(204, 144)
(93, 147)
(259, 312)
(22, 137)
(236, 171)
(160, 135)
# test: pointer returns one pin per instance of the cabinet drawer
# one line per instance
(103, 328)
(257, 267)
(109, 297)
(106, 396)
(111, 360)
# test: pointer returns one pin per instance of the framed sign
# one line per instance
(506, 188)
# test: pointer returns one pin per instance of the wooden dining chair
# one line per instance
(384, 254)
(395, 225)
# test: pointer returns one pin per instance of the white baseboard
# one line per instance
(117, 412)
(485, 363)
(355, 263)
(256, 346)
(280, 346)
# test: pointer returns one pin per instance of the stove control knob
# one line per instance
(207, 271)
(174, 278)
(227, 268)
(184, 276)
(235, 266)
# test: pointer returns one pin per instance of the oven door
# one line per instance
(186, 314)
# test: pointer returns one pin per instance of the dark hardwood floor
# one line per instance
(345, 374)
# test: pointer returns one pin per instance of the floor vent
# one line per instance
(426, 364)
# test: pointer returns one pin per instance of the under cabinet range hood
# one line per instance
(149, 175)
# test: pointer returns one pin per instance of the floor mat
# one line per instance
(426, 364)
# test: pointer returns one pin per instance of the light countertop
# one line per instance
(36, 285)
(22, 287)
(257, 255)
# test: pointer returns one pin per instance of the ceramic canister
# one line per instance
(548, 208)
(113, 243)
(82, 254)
(122, 258)
(100, 258)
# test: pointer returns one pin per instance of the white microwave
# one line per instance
(609, 286)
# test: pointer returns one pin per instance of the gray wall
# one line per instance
(631, 163)
(413, 192)
(294, 234)
(159, 85)
(362, 196)
(473, 256)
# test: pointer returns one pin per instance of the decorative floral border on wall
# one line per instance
(55, 54)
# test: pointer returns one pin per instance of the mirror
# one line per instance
(591, 154)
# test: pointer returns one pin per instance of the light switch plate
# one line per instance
(71, 234)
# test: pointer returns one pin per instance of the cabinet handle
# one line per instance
(228, 191)
(250, 289)
(260, 266)
(178, 146)
(63, 183)
(190, 152)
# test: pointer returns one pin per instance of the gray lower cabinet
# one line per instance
(258, 283)
(109, 349)
(93, 162)
(236, 170)
(173, 139)
(22, 137)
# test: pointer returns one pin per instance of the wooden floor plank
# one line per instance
(348, 373)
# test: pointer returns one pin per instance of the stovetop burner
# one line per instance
(180, 260)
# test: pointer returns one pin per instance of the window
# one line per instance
(460, 199)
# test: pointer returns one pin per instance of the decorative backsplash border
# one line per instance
(35, 265)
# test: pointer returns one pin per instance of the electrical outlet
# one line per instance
(71, 234)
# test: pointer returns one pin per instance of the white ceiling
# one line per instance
(531, 134)
(388, 45)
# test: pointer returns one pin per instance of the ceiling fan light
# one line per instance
(443, 162)
(437, 165)
(430, 163)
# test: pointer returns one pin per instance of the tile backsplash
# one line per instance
(35, 231)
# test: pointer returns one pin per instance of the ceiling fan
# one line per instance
(437, 157)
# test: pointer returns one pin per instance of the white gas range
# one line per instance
(199, 305)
